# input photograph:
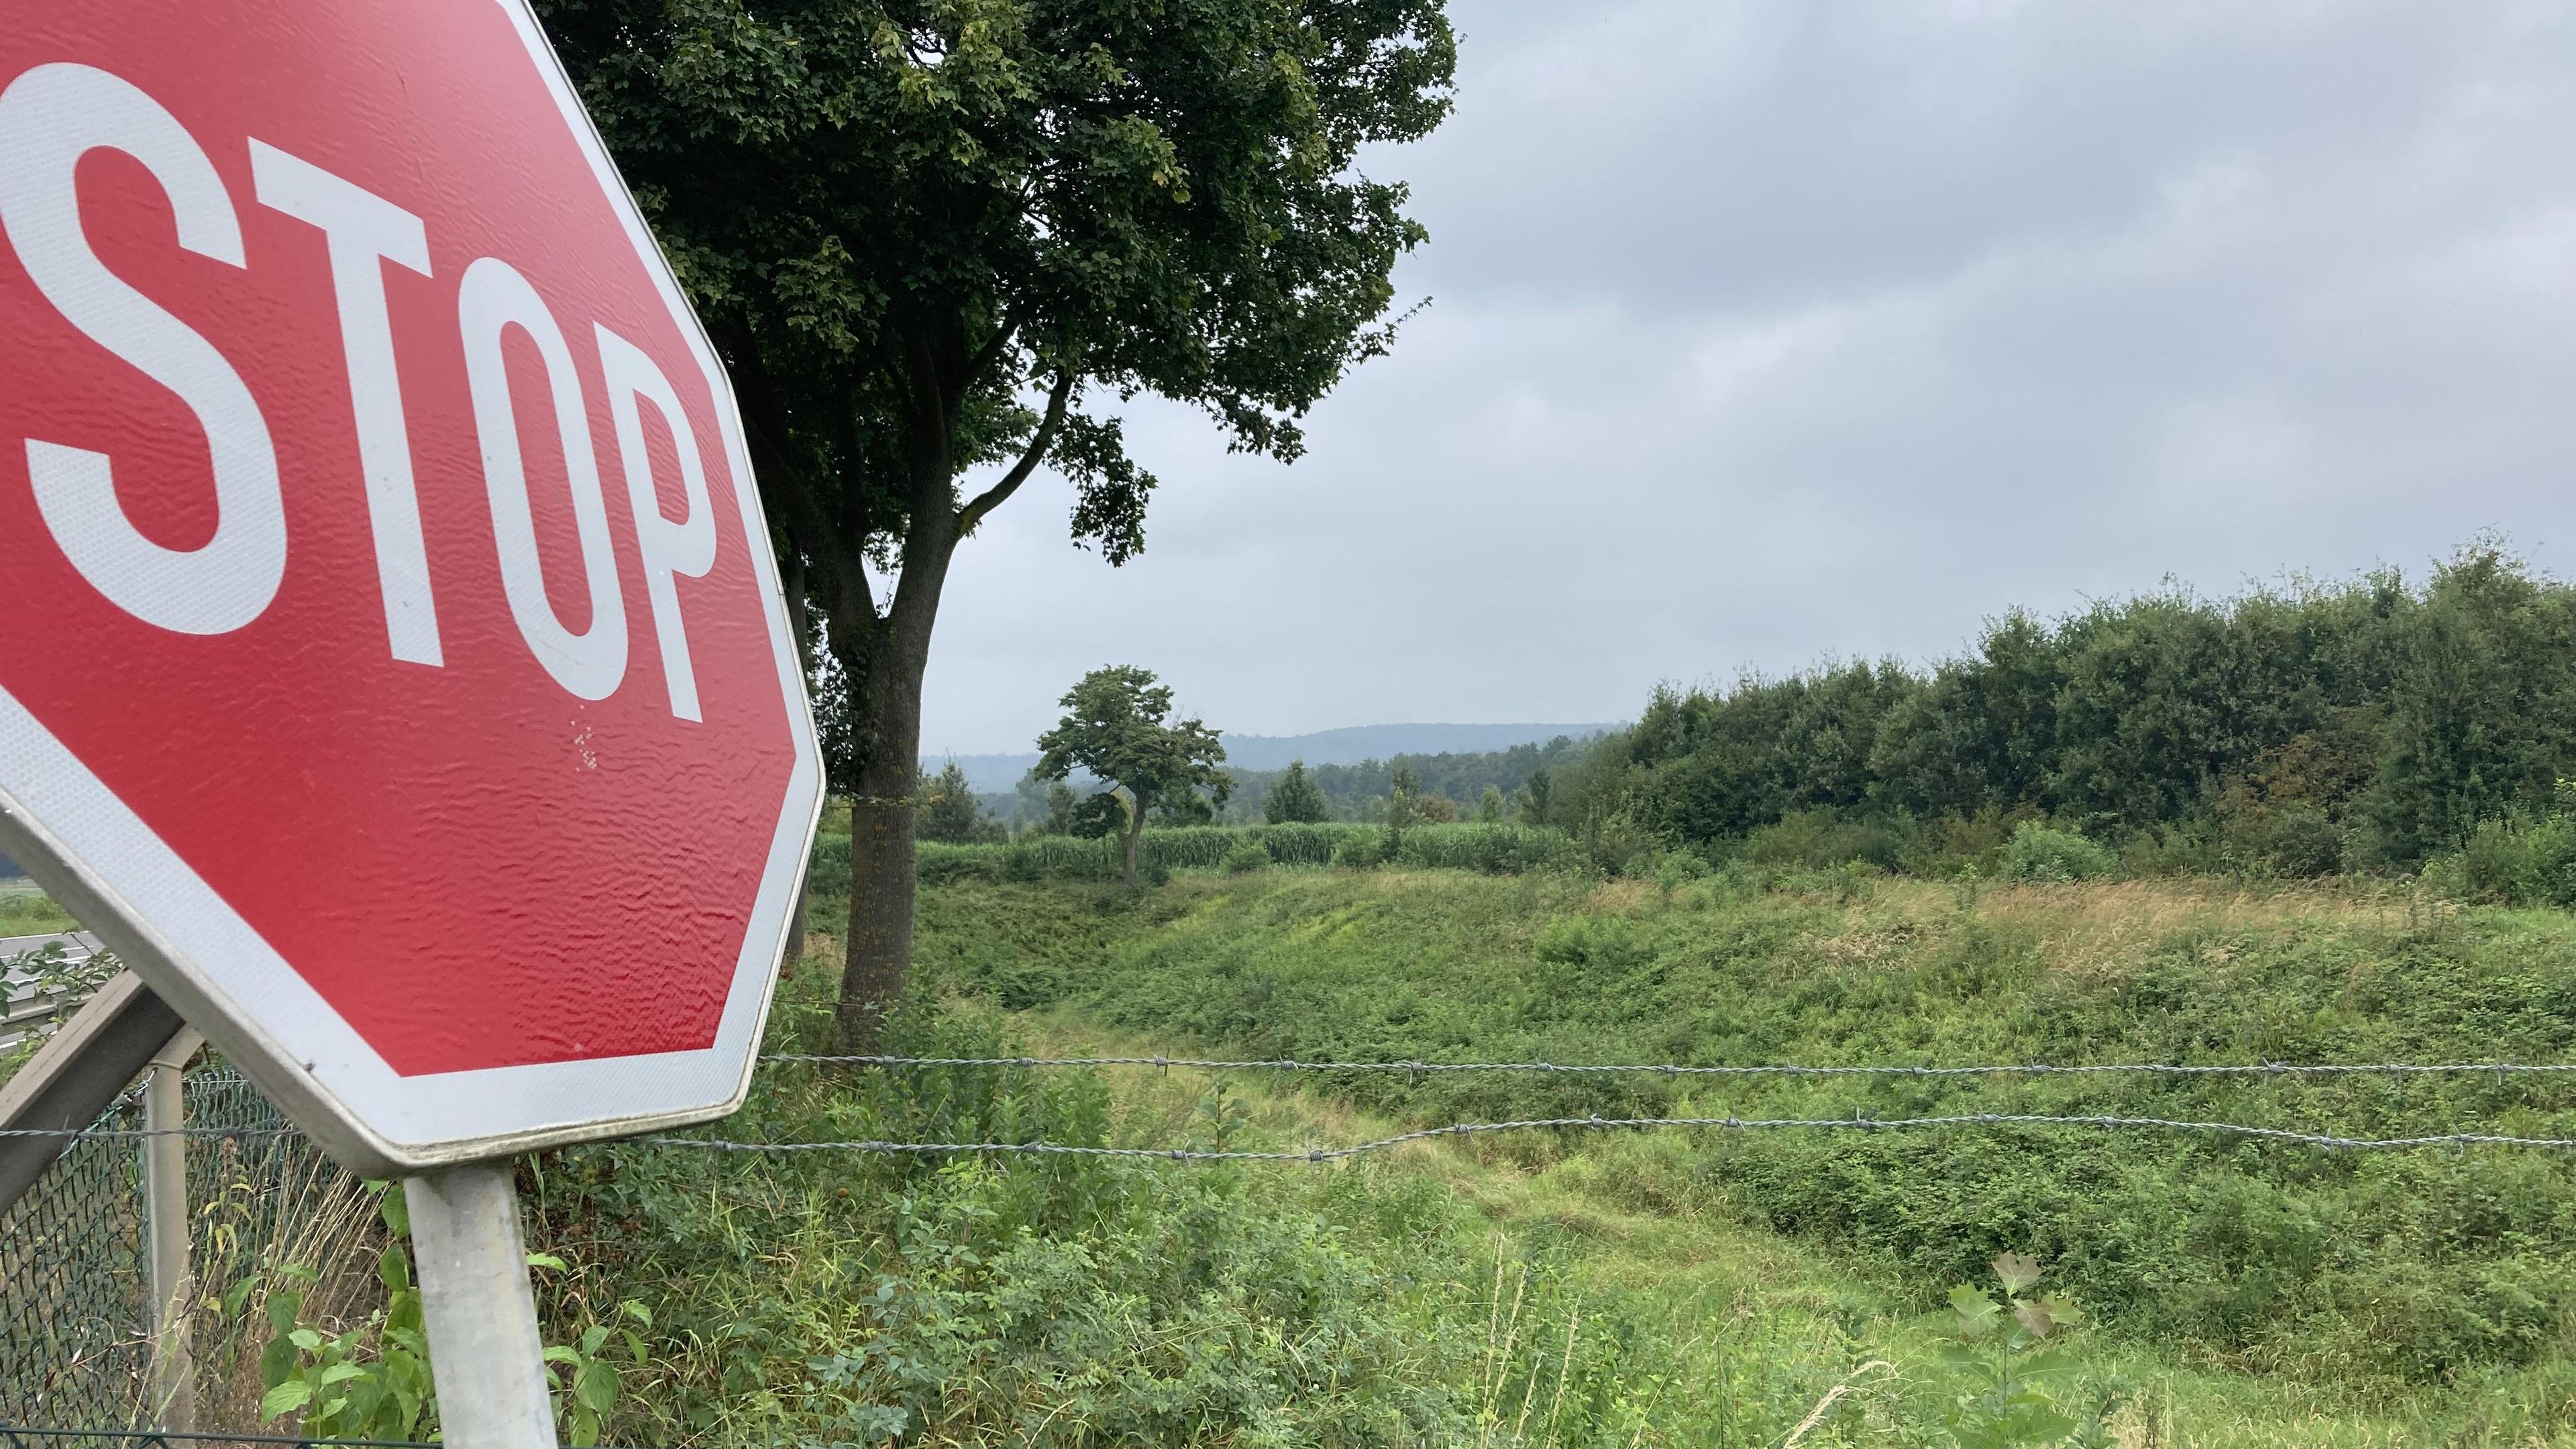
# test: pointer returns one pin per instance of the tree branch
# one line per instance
(993, 497)
(991, 351)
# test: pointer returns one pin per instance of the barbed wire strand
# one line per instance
(2028, 1069)
(121, 1133)
(1467, 1129)
(1741, 1124)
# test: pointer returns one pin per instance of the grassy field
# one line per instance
(1594, 1289)
(2335, 1297)
(27, 911)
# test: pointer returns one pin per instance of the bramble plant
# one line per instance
(587, 1388)
(372, 1382)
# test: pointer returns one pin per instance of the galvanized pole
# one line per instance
(484, 1350)
(165, 1203)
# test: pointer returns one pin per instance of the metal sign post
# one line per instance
(397, 675)
(484, 1348)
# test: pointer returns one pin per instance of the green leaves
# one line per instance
(372, 1382)
(1117, 726)
(2002, 1400)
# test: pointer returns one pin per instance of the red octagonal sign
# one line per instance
(394, 667)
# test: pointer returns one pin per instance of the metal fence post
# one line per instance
(484, 1349)
(165, 1200)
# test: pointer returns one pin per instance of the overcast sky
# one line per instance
(1764, 330)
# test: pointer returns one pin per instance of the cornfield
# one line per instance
(1499, 849)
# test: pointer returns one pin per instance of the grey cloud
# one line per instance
(1765, 331)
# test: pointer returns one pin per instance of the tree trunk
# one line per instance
(792, 585)
(881, 847)
(1135, 833)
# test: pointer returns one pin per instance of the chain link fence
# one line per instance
(74, 1310)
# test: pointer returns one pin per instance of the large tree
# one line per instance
(938, 240)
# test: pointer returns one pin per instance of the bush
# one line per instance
(1821, 839)
(2512, 862)
(827, 871)
(2043, 853)
(1246, 858)
(1361, 850)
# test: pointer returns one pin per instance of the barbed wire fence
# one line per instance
(73, 1341)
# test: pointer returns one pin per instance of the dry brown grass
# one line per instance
(2109, 928)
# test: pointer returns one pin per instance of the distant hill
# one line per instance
(993, 774)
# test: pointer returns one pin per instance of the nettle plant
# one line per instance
(2004, 1347)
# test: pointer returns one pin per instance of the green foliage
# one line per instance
(585, 1372)
(2321, 727)
(1184, 806)
(2043, 853)
(950, 812)
(1000, 196)
(2001, 1353)
(1294, 798)
(1820, 839)
(1494, 849)
(1361, 850)
(1246, 858)
(1537, 797)
(1057, 1302)
(1099, 817)
(2353, 1269)
(371, 1382)
(1118, 726)
(2515, 861)
(49, 976)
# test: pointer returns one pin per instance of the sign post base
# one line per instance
(484, 1349)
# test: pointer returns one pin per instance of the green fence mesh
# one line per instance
(73, 1335)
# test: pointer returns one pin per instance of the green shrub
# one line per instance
(1361, 850)
(1822, 839)
(2044, 853)
(1246, 858)
(2512, 862)
(1494, 849)
(827, 871)
(1055, 1302)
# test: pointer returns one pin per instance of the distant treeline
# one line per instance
(1360, 792)
(1449, 786)
(2299, 729)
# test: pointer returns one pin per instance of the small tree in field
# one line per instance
(950, 811)
(1296, 799)
(1118, 725)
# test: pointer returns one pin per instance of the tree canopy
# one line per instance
(1117, 724)
(950, 811)
(1296, 798)
(933, 237)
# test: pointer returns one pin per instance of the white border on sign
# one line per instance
(90, 849)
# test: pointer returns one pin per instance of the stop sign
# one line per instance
(393, 667)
